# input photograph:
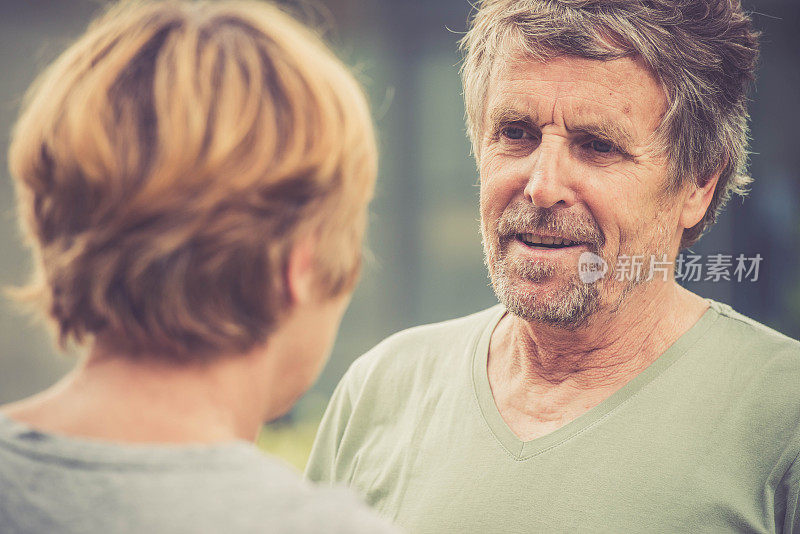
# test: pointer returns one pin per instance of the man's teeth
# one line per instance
(532, 239)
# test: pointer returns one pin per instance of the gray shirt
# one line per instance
(52, 483)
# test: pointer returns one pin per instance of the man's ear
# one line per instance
(300, 271)
(697, 200)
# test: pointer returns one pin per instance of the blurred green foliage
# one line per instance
(290, 440)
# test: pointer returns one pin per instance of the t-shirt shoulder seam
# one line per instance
(729, 313)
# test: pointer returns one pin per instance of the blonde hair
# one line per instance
(167, 162)
(704, 52)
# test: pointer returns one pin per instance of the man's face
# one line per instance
(567, 152)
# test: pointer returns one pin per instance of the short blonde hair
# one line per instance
(167, 162)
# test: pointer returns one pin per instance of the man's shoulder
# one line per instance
(263, 493)
(171, 488)
(425, 348)
(749, 338)
(756, 365)
(302, 507)
(751, 372)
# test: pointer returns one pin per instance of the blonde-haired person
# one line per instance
(193, 179)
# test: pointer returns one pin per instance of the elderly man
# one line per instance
(587, 401)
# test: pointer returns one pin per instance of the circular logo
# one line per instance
(591, 268)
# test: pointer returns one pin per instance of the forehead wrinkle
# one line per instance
(620, 83)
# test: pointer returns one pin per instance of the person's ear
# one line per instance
(697, 200)
(301, 271)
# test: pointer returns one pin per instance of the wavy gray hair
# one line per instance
(704, 53)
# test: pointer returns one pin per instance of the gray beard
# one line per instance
(570, 308)
(572, 305)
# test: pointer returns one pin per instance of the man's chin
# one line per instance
(563, 304)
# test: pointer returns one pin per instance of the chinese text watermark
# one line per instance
(686, 268)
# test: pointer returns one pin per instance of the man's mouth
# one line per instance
(546, 242)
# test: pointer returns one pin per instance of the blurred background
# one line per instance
(425, 256)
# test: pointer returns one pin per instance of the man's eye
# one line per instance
(513, 132)
(601, 147)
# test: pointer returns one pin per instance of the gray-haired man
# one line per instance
(596, 398)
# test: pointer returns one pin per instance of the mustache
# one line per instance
(526, 219)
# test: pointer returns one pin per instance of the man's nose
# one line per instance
(548, 184)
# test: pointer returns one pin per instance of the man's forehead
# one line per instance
(510, 107)
(577, 91)
(628, 71)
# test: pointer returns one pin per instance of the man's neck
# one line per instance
(117, 399)
(542, 377)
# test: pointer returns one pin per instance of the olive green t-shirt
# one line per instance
(705, 439)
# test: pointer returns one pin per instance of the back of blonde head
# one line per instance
(168, 160)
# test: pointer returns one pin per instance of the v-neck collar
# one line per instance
(523, 450)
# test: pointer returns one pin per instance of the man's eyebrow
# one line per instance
(604, 129)
(507, 114)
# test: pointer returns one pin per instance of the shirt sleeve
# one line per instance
(322, 464)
